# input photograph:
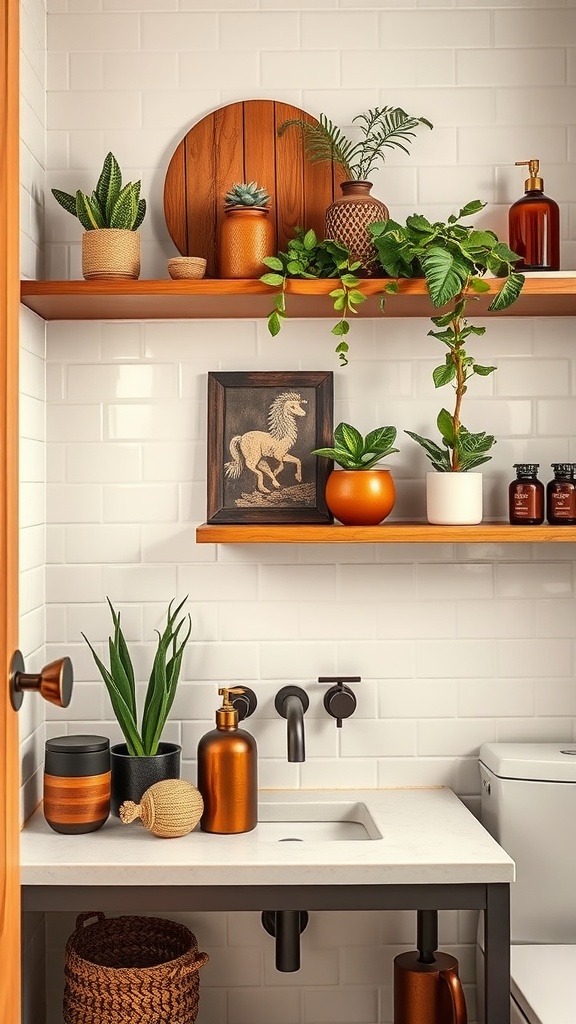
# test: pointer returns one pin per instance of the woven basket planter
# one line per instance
(111, 254)
(131, 970)
(348, 218)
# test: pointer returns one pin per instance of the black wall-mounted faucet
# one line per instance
(340, 700)
(292, 703)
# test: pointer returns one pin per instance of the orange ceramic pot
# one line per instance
(360, 497)
(246, 237)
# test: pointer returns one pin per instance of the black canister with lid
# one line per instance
(561, 495)
(77, 783)
(526, 496)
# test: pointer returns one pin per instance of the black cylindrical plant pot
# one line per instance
(132, 775)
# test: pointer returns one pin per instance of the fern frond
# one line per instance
(385, 127)
(323, 142)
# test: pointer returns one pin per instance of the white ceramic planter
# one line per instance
(454, 499)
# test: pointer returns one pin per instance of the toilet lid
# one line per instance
(542, 982)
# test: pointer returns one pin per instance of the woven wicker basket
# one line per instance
(131, 970)
(111, 254)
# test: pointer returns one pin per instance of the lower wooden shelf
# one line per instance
(386, 533)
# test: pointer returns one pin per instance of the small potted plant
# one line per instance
(357, 494)
(380, 129)
(453, 258)
(144, 758)
(110, 216)
(247, 234)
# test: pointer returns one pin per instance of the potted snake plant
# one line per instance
(452, 258)
(247, 234)
(144, 758)
(358, 494)
(110, 216)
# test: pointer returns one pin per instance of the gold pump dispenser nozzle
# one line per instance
(534, 182)
(227, 715)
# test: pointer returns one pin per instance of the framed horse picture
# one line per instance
(262, 428)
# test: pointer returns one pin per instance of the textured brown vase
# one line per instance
(246, 237)
(111, 254)
(360, 497)
(347, 220)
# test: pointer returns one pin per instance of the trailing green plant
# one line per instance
(120, 681)
(381, 128)
(111, 204)
(352, 451)
(246, 194)
(453, 258)
(309, 258)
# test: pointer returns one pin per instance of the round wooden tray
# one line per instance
(239, 142)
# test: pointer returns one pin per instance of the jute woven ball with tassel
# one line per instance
(169, 809)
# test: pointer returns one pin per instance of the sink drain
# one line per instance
(291, 839)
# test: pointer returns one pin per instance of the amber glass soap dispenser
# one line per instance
(534, 224)
(228, 773)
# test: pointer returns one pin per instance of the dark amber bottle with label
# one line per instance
(561, 495)
(534, 225)
(526, 496)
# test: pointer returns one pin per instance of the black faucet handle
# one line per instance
(340, 700)
(245, 702)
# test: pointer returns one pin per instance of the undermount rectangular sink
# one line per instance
(302, 821)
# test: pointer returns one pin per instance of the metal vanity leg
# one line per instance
(497, 954)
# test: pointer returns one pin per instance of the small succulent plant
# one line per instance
(352, 451)
(111, 205)
(247, 194)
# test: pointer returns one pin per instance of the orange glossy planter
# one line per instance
(362, 497)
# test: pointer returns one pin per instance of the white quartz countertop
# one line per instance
(428, 836)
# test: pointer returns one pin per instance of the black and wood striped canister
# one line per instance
(77, 783)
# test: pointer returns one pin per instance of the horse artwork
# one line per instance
(253, 449)
(262, 429)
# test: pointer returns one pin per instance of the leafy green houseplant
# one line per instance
(110, 216)
(120, 683)
(380, 129)
(358, 494)
(307, 257)
(453, 258)
(111, 204)
(353, 451)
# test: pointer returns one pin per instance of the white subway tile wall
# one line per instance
(456, 644)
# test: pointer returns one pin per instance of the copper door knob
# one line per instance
(53, 683)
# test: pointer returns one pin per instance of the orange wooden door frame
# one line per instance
(9, 312)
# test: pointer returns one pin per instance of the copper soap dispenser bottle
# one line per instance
(228, 773)
(534, 224)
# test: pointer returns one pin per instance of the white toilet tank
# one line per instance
(529, 806)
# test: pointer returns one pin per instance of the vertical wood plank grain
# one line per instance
(9, 313)
(289, 175)
(175, 198)
(229, 157)
(200, 210)
(260, 148)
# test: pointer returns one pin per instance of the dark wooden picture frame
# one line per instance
(262, 427)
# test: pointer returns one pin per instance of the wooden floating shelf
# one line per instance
(217, 299)
(386, 533)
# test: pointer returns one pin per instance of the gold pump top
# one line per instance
(227, 715)
(534, 182)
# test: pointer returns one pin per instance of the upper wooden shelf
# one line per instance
(386, 533)
(233, 300)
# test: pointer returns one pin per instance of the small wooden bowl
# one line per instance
(181, 267)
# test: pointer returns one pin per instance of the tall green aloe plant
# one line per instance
(111, 205)
(120, 681)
